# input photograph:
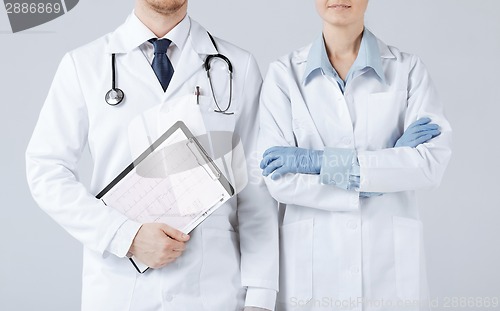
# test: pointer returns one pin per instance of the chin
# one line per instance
(340, 21)
(166, 6)
(337, 22)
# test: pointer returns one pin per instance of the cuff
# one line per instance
(121, 242)
(261, 298)
(337, 166)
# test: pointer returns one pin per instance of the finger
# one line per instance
(270, 150)
(280, 172)
(420, 121)
(433, 133)
(421, 131)
(415, 136)
(177, 247)
(425, 127)
(422, 139)
(263, 163)
(270, 157)
(272, 167)
(420, 128)
(174, 233)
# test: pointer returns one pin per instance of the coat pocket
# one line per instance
(407, 244)
(296, 254)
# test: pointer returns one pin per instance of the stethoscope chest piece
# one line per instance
(114, 96)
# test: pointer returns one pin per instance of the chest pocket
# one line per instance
(384, 118)
(215, 121)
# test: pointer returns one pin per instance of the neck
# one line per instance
(342, 41)
(160, 23)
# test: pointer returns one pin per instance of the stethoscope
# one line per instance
(115, 95)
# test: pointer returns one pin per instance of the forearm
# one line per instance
(403, 169)
(307, 190)
(68, 202)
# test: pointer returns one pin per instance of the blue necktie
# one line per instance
(161, 64)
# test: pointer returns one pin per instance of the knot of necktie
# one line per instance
(160, 45)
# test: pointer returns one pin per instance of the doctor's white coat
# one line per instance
(235, 248)
(340, 251)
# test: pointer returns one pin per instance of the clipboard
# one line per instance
(173, 181)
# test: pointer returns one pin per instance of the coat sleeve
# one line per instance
(257, 212)
(405, 168)
(276, 130)
(57, 143)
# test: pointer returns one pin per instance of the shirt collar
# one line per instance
(368, 56)
(133, 33)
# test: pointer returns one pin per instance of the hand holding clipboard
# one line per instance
(173, 182)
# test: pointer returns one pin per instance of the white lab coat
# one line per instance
(337, 248)
(235, 248)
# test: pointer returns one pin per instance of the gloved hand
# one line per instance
(283, 160)
(419, 132)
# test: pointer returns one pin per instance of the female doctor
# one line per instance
(348, 138)
(229, 262)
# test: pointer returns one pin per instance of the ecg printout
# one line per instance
(172, 185)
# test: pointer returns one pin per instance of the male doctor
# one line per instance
(229, 262)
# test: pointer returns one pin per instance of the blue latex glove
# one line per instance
(419, 132)
(354, 183)
(284, 160)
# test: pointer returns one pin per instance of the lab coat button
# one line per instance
(346, 141)
(351, 224)
(169, 297)
(355, 270)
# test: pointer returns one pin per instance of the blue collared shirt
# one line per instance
(368, 57)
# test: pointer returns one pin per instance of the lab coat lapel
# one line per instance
(125, 42)
(145, 71)
(198, 46)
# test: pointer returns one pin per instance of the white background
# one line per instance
(459, 40)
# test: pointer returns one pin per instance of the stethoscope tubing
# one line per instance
(114, 96)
